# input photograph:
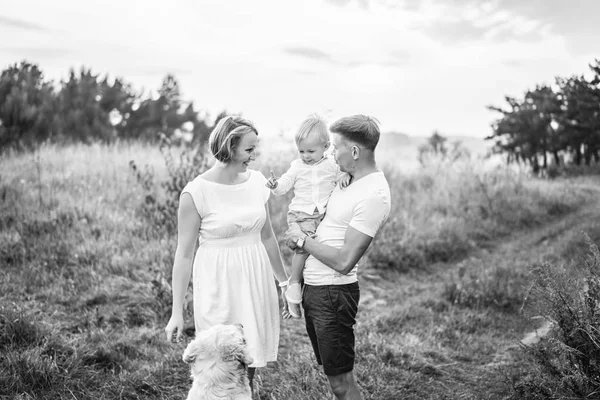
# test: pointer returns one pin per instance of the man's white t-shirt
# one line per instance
(364, 205)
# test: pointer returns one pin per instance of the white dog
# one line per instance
(220, 363)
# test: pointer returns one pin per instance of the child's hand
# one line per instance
(344, 181)
(272, 181)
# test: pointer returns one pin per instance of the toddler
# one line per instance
(313, 177)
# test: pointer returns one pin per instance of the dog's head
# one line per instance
(220, 343)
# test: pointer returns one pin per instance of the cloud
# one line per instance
(576, 21)
(364, 4)
(396, 58)
(21, 24)
(39, 53)
(480, 21)
(310, 53)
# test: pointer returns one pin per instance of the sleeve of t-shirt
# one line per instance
(370, 213)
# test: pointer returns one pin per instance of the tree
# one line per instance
(528, 130)
(88, 107)
(581, 118)
(83, 117)
(548, 121)
(26, 107)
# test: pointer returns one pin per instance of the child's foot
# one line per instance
(295, 310)
(294, 293)
(294, 298)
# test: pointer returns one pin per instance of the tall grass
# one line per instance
(568, 298)
(447, 209)
(84, 277)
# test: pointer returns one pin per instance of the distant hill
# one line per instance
(391, 141)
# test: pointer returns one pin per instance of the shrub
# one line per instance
(570, 300)
(161, 200)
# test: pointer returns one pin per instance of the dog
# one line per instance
(219, 364)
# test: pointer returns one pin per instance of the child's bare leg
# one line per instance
(294, 292)
(298, 261)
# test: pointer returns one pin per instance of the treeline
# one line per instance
(552, 125)
(88, 107)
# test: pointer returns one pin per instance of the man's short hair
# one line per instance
(226, 135)
(360, 129)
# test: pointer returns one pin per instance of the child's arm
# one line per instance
(284, 183)
(343, 179)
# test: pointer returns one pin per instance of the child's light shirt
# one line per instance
(312, 184)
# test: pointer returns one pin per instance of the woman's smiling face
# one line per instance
(245, 151)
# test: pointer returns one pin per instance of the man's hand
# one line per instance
(292, 235)
(272, 181)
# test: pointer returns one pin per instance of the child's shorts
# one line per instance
(308, 223)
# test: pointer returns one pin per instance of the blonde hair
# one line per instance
(313, 123)
(226, 135)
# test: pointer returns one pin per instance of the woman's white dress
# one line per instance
(232, 277)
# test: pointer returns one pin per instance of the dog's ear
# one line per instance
(235, 352)
(196, 349)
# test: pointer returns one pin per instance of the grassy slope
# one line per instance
(83, 293)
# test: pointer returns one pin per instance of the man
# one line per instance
(353, 217)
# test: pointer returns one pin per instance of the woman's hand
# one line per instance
(285, 312)
(174, 329)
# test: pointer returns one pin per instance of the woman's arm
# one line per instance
(270, 242)
(188, 225)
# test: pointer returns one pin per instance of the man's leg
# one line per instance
(330, 313)
(344, 386)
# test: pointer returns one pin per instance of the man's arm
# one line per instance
(341, 260)
(368, 217)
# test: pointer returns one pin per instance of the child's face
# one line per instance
(311, 149)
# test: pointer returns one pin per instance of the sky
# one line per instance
(415, 65)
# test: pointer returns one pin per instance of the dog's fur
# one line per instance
(220, 362)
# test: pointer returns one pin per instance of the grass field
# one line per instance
(84, 281)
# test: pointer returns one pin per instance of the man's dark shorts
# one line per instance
(330, 314)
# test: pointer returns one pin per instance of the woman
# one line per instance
(238, 254)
